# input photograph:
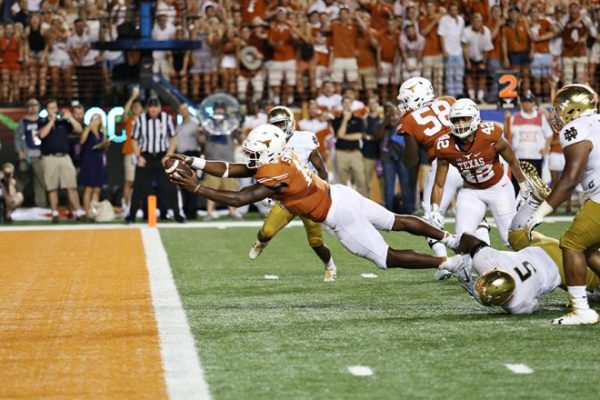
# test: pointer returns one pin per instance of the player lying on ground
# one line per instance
(517, 280)
(304, 145)
(474, 148)
(576, 108)
(354, 219)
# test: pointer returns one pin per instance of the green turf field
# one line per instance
(295, 337)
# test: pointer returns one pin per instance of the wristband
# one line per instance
(198, 163)
(226, 173)
(524, 187)
(544, 209)
(197, 187)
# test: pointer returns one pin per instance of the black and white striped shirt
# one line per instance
(153, 134)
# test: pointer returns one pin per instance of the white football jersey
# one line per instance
(534, 272)
(586, 128)
(302, 144)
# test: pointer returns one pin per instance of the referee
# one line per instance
(153, 138)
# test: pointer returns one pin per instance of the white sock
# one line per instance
(483, 233)
(472, 93)
(55, 213)
(480, 95)
(330, 264)
(578, 297)
(439, 250)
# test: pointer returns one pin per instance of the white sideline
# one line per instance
(184, 375)
(193, 225)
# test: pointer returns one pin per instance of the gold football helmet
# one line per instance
(283, 118)
(495, 287)
(573, 101)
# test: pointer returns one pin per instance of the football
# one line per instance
(175, 166)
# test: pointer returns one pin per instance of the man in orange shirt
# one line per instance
(575, 31)
(494, 57)
(388, 58)
(433, 60)
(540, 32)
(133, 109)
(367, 47)
(381, 11)
(252, 9)
(282, 38)
(342, 61)
(354, 219)
(516, 45)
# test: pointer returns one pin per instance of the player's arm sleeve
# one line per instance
(573, 133)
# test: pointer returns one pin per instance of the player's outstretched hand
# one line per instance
(187, 182)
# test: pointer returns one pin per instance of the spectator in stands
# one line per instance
(36, 58)
(247, 75)
(59, 171)
(78, 112)
(331, 8)
(306, 58)
(322, 47)
(576, 28)
(516, 45)
(411, 46)
(229, 47)
(595, 56)
(179, 61)
(8, 186)
(187, 143)
(93, 174)
(433, 59)
(22, 15)
(87, 61)
(477, 42)
(541, 31)
(450, 30)
(252, 9)
(283, 37)
(162, 30)
(556, 48)
(153, 138)
(28, 147)
(495, 56)
(133, 109)
(349, 162)
(381, 12)
(531, 134)
(218, 142)
(343, 64)
(412, 16)
(367, 48)
(371, 142)
(329, 101)
(59, 60)
(388, 60)
(203, 69)
(10, 64)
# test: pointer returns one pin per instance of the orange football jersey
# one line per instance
(301, 192)
(428, 123)
(480, 165)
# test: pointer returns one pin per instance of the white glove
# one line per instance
(435, 218)
(524, 193)
(537, 217)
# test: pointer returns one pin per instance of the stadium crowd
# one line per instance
(341, 62)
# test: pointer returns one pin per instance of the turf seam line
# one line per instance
(183, 372)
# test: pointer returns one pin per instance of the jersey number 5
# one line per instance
(524, 275)
(435, 121)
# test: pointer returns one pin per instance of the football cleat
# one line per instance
(256, 249)
(578, 317)
(442, 275)
(330, 274)
(539, 190)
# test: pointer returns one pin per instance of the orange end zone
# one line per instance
(76, 317)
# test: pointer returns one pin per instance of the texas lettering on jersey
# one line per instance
(480, 164)
(300, 191)
(427, 124)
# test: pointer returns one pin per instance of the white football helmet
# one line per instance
(264, 145)
(415, 93)
(464, 108)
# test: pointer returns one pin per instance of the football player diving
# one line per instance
(355, 220)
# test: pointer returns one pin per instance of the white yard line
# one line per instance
(184, 375)
(359, 370)
(194, 225)
(519, 368)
